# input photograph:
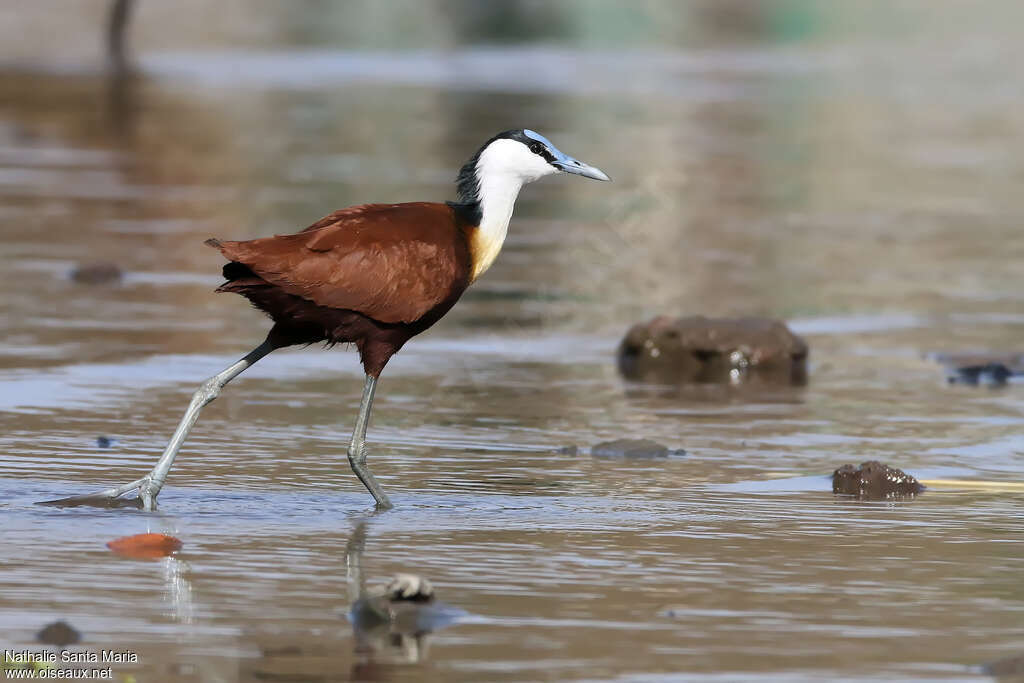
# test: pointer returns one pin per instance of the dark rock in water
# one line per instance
(988, 369)
(569, 450)
(104, 442)
(725, 350)
(96, 273)
(632, 448)
(1007, 667)
(58, 633)
(993, 375)
(874, 481)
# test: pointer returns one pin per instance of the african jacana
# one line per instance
(375, 275)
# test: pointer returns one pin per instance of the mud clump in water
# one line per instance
(703, 350)
(96, 273)
(874, 481)
(59, 633)
(633, 448)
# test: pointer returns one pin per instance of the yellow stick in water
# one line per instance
(973, 484)
(981, 484)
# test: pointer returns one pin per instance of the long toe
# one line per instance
(107, 498)
(94, 500)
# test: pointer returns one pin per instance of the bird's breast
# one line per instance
(484, 244)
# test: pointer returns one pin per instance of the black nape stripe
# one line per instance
(469, 213)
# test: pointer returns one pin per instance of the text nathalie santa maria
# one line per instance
(67, 656)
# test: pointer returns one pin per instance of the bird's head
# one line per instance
(516, 157)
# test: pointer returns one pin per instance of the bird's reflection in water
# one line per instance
(391, 621)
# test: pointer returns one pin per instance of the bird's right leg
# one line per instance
(149, 486)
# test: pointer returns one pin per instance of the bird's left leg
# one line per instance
(357, 447)
(149, 486)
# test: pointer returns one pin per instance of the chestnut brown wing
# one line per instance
(390, 262)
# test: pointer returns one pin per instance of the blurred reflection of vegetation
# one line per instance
(601, 23)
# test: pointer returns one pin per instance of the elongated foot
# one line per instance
(111, 498)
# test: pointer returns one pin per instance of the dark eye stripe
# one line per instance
(540, 149)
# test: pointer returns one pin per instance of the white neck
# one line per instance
(502, 169)
(497, 199)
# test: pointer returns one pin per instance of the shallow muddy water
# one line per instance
(862, 184)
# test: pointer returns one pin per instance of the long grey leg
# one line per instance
(357, 447)
(149, 486)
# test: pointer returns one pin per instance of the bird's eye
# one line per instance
(536, 147)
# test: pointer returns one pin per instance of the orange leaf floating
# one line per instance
(145, 546)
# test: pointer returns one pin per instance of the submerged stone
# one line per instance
(59, 633)
(993, 375)
(1006, 667)
(632, 448)
(874, 481)
(713, 350)
(96, 273)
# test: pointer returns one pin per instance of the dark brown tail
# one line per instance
(234, 271)
(238, 275)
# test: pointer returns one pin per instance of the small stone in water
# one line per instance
(104, 442)
(96, 273)
(992, 369)
(1007, 667)
(874, 481)
(59, 633)
(992, 374)
(632, 448)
